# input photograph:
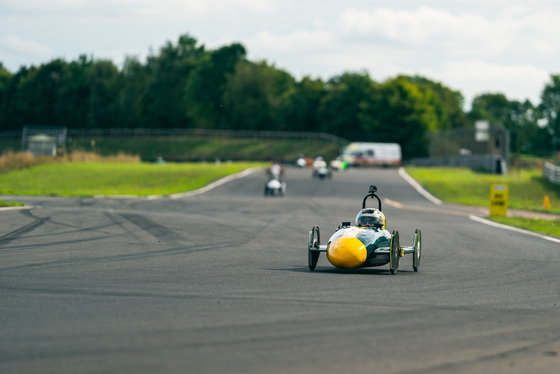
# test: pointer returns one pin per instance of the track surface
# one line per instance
(219, 282)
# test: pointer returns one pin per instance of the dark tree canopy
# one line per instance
(186, 85)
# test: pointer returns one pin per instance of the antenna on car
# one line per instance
(371, 193)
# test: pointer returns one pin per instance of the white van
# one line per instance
(382, 154)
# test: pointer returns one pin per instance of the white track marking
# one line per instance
(418, 187)
(511, 228)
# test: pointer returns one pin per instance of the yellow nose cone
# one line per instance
(347, 252)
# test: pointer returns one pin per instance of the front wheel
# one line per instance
(417, 250)
(314, 242)
(394, 252)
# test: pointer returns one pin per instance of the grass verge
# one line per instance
(115, 178)
(527, 189)
(10, 203)
(195, 148)
(543, 226)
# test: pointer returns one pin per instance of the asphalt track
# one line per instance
(218, 283)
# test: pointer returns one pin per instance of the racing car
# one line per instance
(366, 244)
(320, 169)
(274, 187)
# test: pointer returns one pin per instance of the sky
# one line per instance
(473, 46)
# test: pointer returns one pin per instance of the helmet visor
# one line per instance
(370, 221)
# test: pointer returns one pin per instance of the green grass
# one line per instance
(100, 178)
(543, 226)
(196, 148)
(527, 189)
(10, 203)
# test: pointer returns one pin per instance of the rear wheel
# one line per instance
(314, 242)
(417, 250)
(394, 252)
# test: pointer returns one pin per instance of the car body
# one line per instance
(320, 169)
(352, 247)
(275, 184)
(372, 154)
(274, 187)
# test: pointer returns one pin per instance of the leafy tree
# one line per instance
(302, 103)
(254, 95)
(39, 93)
(492, 107)
(14, 113)
(520, 118)
(447, 103)
(206, 86)
(550, 107)
(74, 93)
(54, 94)
(398, 111)
(5, 78)
(164, 104)
(135, 78)
(340, 107)
(105, 85)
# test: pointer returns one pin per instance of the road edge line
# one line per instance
(511, 228)
(419, 187)
(215, 184)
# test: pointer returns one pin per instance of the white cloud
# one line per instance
(516, 29)
(293, 42)
(474, 77)
(473, 46)
(176, 9)
(24, 47)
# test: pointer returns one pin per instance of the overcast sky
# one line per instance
(474, 46)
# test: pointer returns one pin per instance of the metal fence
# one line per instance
(141, 132)
(489, 163)
(552, 172)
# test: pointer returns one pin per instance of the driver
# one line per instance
(371, 218)
(276, 171)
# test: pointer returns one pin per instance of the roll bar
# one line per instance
(371, 193)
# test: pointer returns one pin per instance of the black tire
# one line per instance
(417, 250)
(314, 242)
(394, 252)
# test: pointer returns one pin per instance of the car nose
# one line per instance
(347, 252)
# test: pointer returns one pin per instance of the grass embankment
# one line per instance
(195, 148)
(527, 189)
(10, 203)
(115, 178)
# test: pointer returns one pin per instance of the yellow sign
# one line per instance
(498, 200)
(547, 202)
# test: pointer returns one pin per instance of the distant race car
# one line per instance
(275, 184)
(322, 172)
(274, 187)
(320, 169)
(366, 244)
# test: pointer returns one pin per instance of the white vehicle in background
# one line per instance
(372, 154)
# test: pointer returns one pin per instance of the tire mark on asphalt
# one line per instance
(174, 251)
(133, 230)
(163, 233)
(5, 239)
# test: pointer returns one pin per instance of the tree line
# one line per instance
(185, 85)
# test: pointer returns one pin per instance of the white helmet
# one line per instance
(370, 218)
